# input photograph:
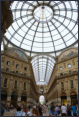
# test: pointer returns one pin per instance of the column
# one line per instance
(8, 100)
(58, 93)
(10, 82)
(69, 100)
(19, 92)
(28, 95)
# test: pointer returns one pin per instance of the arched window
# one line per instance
(41, 89)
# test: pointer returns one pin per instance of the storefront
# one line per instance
(23, 99)
(3, 97)
(14, 99)
(74, 99)
(63, 99)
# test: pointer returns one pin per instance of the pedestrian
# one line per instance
(68, 110)
(35, 112)
(2, 110)
(18, 113)
(52, 111)
(7, 108)
(57, 109)
(63, 110)
(74, 110)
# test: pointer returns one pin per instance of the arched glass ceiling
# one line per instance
(42, 68)
(43, 26)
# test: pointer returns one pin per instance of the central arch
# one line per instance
(42, 99)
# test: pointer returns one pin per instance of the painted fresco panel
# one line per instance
(18, 54)
(68, 54)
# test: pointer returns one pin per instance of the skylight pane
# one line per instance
(7, 34)
(25, 47)
(25, 41)
(19, 38)
(17, 14)
(70, 42)
(37, 44)
(60, 47)
(73, 5)
(17, 43)
(11, 30)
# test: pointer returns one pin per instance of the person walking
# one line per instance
(18, 113)
(52, 112)
(74, 110)
(63, 110)
(2, 110)
(68, 111)
(57, 109)
(35, 112)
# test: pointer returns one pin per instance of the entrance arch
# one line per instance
(4, 96)
(42, 99)
(74, 99)
(63, 98)
(14, 98)
(23, 98)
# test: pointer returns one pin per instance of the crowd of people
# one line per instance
(39, 110)
(63, 110)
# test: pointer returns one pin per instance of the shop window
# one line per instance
(69, 65)
(15, 86)
(60, 68)
(25, 68)
(70, 72)
(17, 66)
(7, 69)
(5, 82)
(71, 83)
(24, 85)
(62, 86)
(8, 62)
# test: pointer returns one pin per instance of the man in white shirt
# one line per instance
(63, 110)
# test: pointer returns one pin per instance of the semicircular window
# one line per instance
(43, 26)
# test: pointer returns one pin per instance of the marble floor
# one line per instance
(11, 113)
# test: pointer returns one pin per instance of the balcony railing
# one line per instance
(14, 72)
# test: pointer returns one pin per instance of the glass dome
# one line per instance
(43, 26)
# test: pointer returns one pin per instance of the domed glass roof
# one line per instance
(43, 26)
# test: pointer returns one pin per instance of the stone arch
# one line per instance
(73, 93)
(63, 94)
(14, 95)
(42, 98)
